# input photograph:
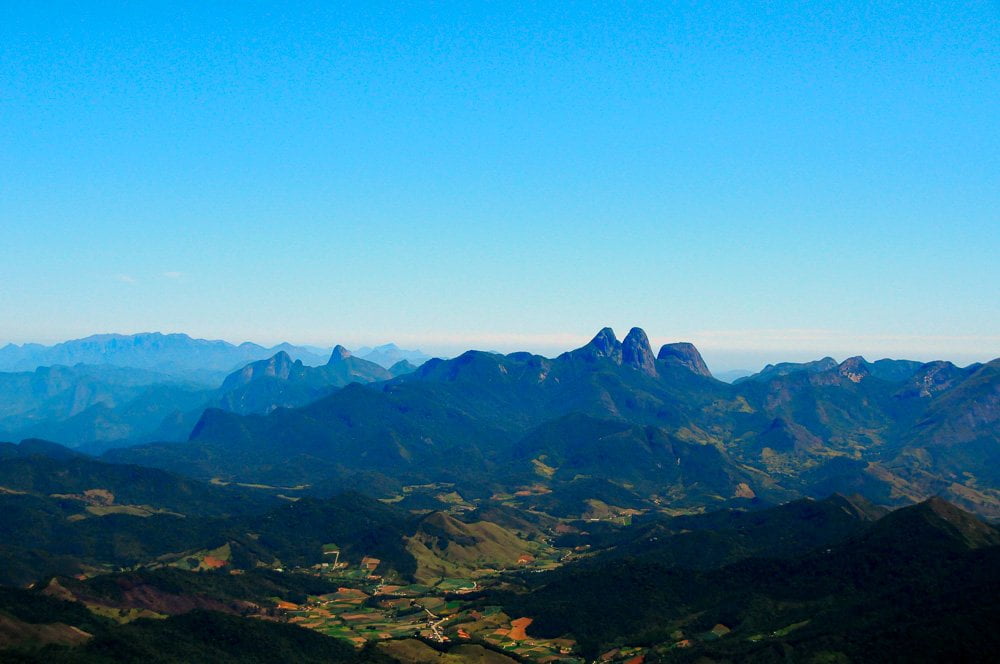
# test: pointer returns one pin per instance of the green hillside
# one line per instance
(876, 595)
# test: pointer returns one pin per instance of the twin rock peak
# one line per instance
(636, 352)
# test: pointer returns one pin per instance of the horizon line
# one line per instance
(798, 342)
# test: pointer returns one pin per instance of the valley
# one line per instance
(499, 333)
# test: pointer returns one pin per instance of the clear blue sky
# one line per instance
(768, 180)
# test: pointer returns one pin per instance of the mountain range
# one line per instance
(102, 406)
(614, 503)
(896, 432)
(390, 354)
(179, 356)
(280, 381)
(176, 355)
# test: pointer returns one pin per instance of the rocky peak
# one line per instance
(686, 355)
(604, 345)
(637, 353)
(280, 365)
(339, 354)
(933, 378)
(854, 369)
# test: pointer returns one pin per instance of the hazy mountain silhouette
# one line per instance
(177, 355)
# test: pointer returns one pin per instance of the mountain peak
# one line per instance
(279, 365)
(854, 369)
(858, 505)
(605, 341)
(945, 521)
(772, 371)
(604, 345)
(686, 355)
(637, 353)
(402, 367)
(281, 357)
(339, 354)
(974, 531)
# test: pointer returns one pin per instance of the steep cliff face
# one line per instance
(637, 353)
(685, 355)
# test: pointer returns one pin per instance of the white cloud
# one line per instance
(173, 274)
(125, 278)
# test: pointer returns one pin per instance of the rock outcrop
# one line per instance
(637, 353)
(685, 355)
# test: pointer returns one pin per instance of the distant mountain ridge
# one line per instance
(886, 369)
(389, 354)
(89, 403)
(893, 430)
(280, 381)
(659, 429)
(178, 355)
(101, 406)
(732, 375)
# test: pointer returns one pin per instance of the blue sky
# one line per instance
(771, 181)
